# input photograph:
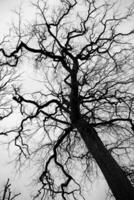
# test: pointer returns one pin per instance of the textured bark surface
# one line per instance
(114, 175)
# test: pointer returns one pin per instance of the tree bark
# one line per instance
(114, 175)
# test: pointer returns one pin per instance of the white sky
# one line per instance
(6, 12)
(6, 16)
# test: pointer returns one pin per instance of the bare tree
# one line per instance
(85, 113)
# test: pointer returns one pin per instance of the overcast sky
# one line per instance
(6, 16)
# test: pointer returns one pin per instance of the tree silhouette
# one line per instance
(85, 113)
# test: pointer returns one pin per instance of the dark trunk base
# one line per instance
(114, 175)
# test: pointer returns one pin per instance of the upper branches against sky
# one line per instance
(85, 113)
(7, 78)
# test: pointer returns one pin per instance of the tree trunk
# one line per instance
(114, 175)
